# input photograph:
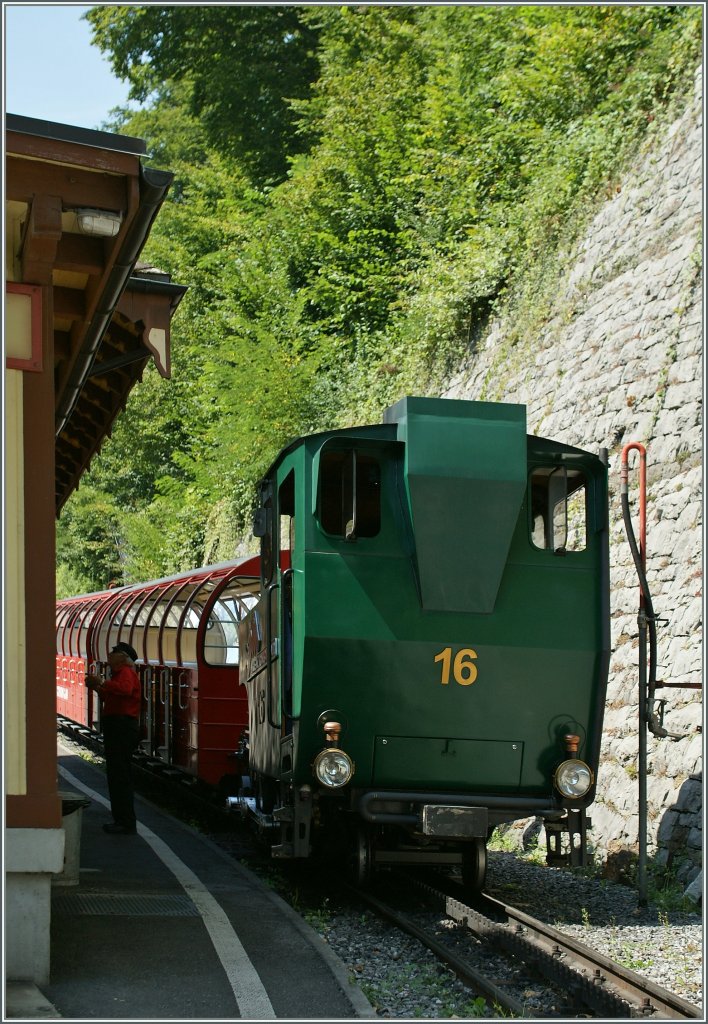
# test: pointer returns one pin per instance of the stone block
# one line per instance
(694, 891)
(690, 797)
(695, 838)
(667, 826)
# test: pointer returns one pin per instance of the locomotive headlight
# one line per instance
(333, 768)
(573, 778)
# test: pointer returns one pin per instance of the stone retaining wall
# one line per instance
(619, 360)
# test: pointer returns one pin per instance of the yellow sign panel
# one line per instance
(23, 326)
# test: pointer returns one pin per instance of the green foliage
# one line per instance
(239, 65)
(68, 582)
(357, 190)
(665, 893)
(89, 542)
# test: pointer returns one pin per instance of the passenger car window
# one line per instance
(221, 636)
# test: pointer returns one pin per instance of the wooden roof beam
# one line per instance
(95, 294)
(68, 144)
(77, 188)
(87, 419)
(69, 303)
(62, 345)
(80, 438)
(40, 238)
(152, 312)
(98, 395)
(81, 254)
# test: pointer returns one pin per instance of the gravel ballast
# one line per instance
(402, 979)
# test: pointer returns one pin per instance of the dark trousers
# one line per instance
(120, 738)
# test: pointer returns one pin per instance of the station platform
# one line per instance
(163, 925)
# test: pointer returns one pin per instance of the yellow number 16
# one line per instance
(464, 670)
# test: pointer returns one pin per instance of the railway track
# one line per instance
(586, 983)
(494, 994)
(589, 984)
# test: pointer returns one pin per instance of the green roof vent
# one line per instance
(465, 475)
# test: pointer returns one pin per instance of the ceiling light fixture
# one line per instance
(99, 222)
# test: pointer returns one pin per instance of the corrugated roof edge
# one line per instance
(71, 133)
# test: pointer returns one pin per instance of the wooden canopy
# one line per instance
(79, 208)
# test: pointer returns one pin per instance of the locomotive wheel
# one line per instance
(244, 792)
(266, 793)
(474, 865)
(362, 859)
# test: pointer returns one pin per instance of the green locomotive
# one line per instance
(431, 659)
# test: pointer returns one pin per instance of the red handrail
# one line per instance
(624, 489)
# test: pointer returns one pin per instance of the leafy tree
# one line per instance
(242, 65)
(357, 189)
(88, 545)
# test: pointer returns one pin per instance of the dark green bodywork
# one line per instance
(451, 578)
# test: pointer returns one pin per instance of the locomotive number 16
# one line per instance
(464, 670)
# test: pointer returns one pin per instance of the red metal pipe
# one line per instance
(624, 489)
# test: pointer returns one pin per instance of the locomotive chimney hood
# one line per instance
(463, 519)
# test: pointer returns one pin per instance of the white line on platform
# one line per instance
(250, 995)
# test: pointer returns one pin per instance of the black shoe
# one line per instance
(114, 829)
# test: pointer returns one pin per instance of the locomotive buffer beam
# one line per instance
(454, 822)
(442, 813)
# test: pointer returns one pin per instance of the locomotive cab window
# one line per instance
(349, 503)
(286, 505)
(558, 509)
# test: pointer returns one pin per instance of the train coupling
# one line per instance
(243, 805)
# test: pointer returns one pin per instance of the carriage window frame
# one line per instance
(190, 621)
(87, 614)
(241, 601)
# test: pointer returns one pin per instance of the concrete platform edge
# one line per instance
(349, 986)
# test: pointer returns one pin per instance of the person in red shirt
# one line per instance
(120, 715)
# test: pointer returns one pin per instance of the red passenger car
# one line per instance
(184, 629)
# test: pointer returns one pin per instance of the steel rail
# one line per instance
(604, 986)
(640, 993)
